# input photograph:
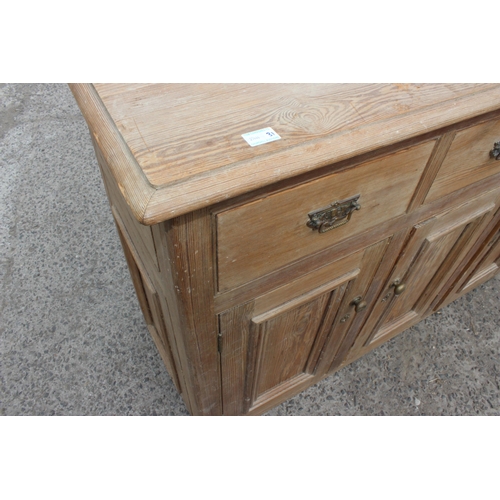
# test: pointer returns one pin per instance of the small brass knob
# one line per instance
(359, 304)
(399, 289)
(362, 305)
(495, 152)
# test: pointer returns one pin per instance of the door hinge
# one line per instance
(219, 342)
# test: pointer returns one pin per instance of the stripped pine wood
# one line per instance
(149, 303)
(481, 263)
(414, 110)
(140, 234)
(247, 304)
(433, 250)
(278, 222)
(189, 249)
(338, 250)
(436, 159)
(468, 159)
(200, 142)
(113, 148)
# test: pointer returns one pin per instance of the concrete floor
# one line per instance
(73, 341)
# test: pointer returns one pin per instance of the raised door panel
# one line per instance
(481, 264)
(285, 341)
(150, 304)
(433, 250)
(269, 357)
(487, 265)
(268, 354)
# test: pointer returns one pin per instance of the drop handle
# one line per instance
(335, 215)
(359, 304)
(495, 152)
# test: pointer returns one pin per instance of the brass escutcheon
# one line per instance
(335, 215)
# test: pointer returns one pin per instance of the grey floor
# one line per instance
(73, 341)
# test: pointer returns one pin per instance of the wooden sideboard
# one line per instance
(262, 269)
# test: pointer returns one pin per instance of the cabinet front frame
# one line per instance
(395, 230)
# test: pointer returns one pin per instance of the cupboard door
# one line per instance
(432, 252)
(481, 264)
(271, 350)
(486, 265)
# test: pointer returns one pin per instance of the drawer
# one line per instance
(468, 160)
(264, 235)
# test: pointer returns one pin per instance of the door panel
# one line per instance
(269, 355)
(433, 251)
(481, 264)
(487, 266)
(281, 356)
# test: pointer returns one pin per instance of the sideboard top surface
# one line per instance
(174, 148)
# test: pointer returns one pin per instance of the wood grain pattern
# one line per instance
(188, 245)
(127, 173)
(187, 128)
(275, 350)
(488, 265)
(433, 250)
(140, 235)
(279, 234)
(468, 159)
(140, 254)
(374, 258)
(436, 159)
(246, 304)
(310, 285)
(285, 342)
(170, 158)
(150, 306)
(268, 353)
(480, 264)
(235, 327)
(226, 300)
(356, 337)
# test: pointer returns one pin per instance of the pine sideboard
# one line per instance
(261, 269)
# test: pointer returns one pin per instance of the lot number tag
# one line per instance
(258, 137)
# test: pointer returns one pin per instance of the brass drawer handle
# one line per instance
(495, 152)
(335, 215)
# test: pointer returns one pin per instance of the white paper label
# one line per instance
(258, 137)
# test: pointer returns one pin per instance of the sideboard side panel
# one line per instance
(186, 258)
(144, 253)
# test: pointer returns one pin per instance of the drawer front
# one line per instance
(262, 236)
(468, 160)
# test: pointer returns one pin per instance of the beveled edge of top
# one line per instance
(153, 204)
